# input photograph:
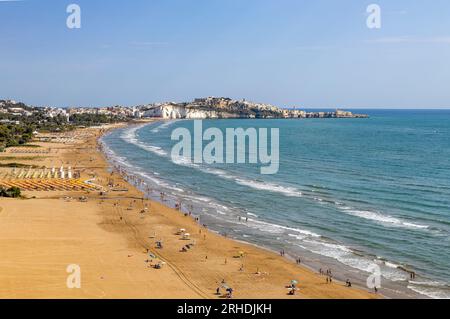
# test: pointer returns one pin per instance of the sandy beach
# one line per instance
(111, 233)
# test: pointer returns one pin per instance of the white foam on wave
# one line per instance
(298, 236)
(199, 198)
(163, 126)
(279, 229)
(431, 289)
(339, 252)
(258, 185)
(392, 265)
(429, 283)
(265, 186)
(381, 218)
(184, 161)
(346, 256)
(130, 137)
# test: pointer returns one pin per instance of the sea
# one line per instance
(356, 196)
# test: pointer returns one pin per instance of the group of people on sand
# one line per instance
(328, 274)
(298, 260)
(329, 277)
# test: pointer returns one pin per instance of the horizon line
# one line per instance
(281, 107)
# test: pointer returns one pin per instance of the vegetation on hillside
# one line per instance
(13, 192)
(93, 119)
(17, 130)
(14, 135)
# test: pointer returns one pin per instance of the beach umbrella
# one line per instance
(186, 236)
(294, 282)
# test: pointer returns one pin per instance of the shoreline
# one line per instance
(111, 234)
(312, 262)
(288, 258)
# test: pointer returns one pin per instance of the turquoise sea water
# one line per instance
(349, 193)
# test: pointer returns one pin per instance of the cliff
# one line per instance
(220, 108)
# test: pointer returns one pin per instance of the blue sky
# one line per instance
(301, 53)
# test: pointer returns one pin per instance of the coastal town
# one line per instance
(202, 108)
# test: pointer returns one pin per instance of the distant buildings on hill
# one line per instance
(200, 108)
